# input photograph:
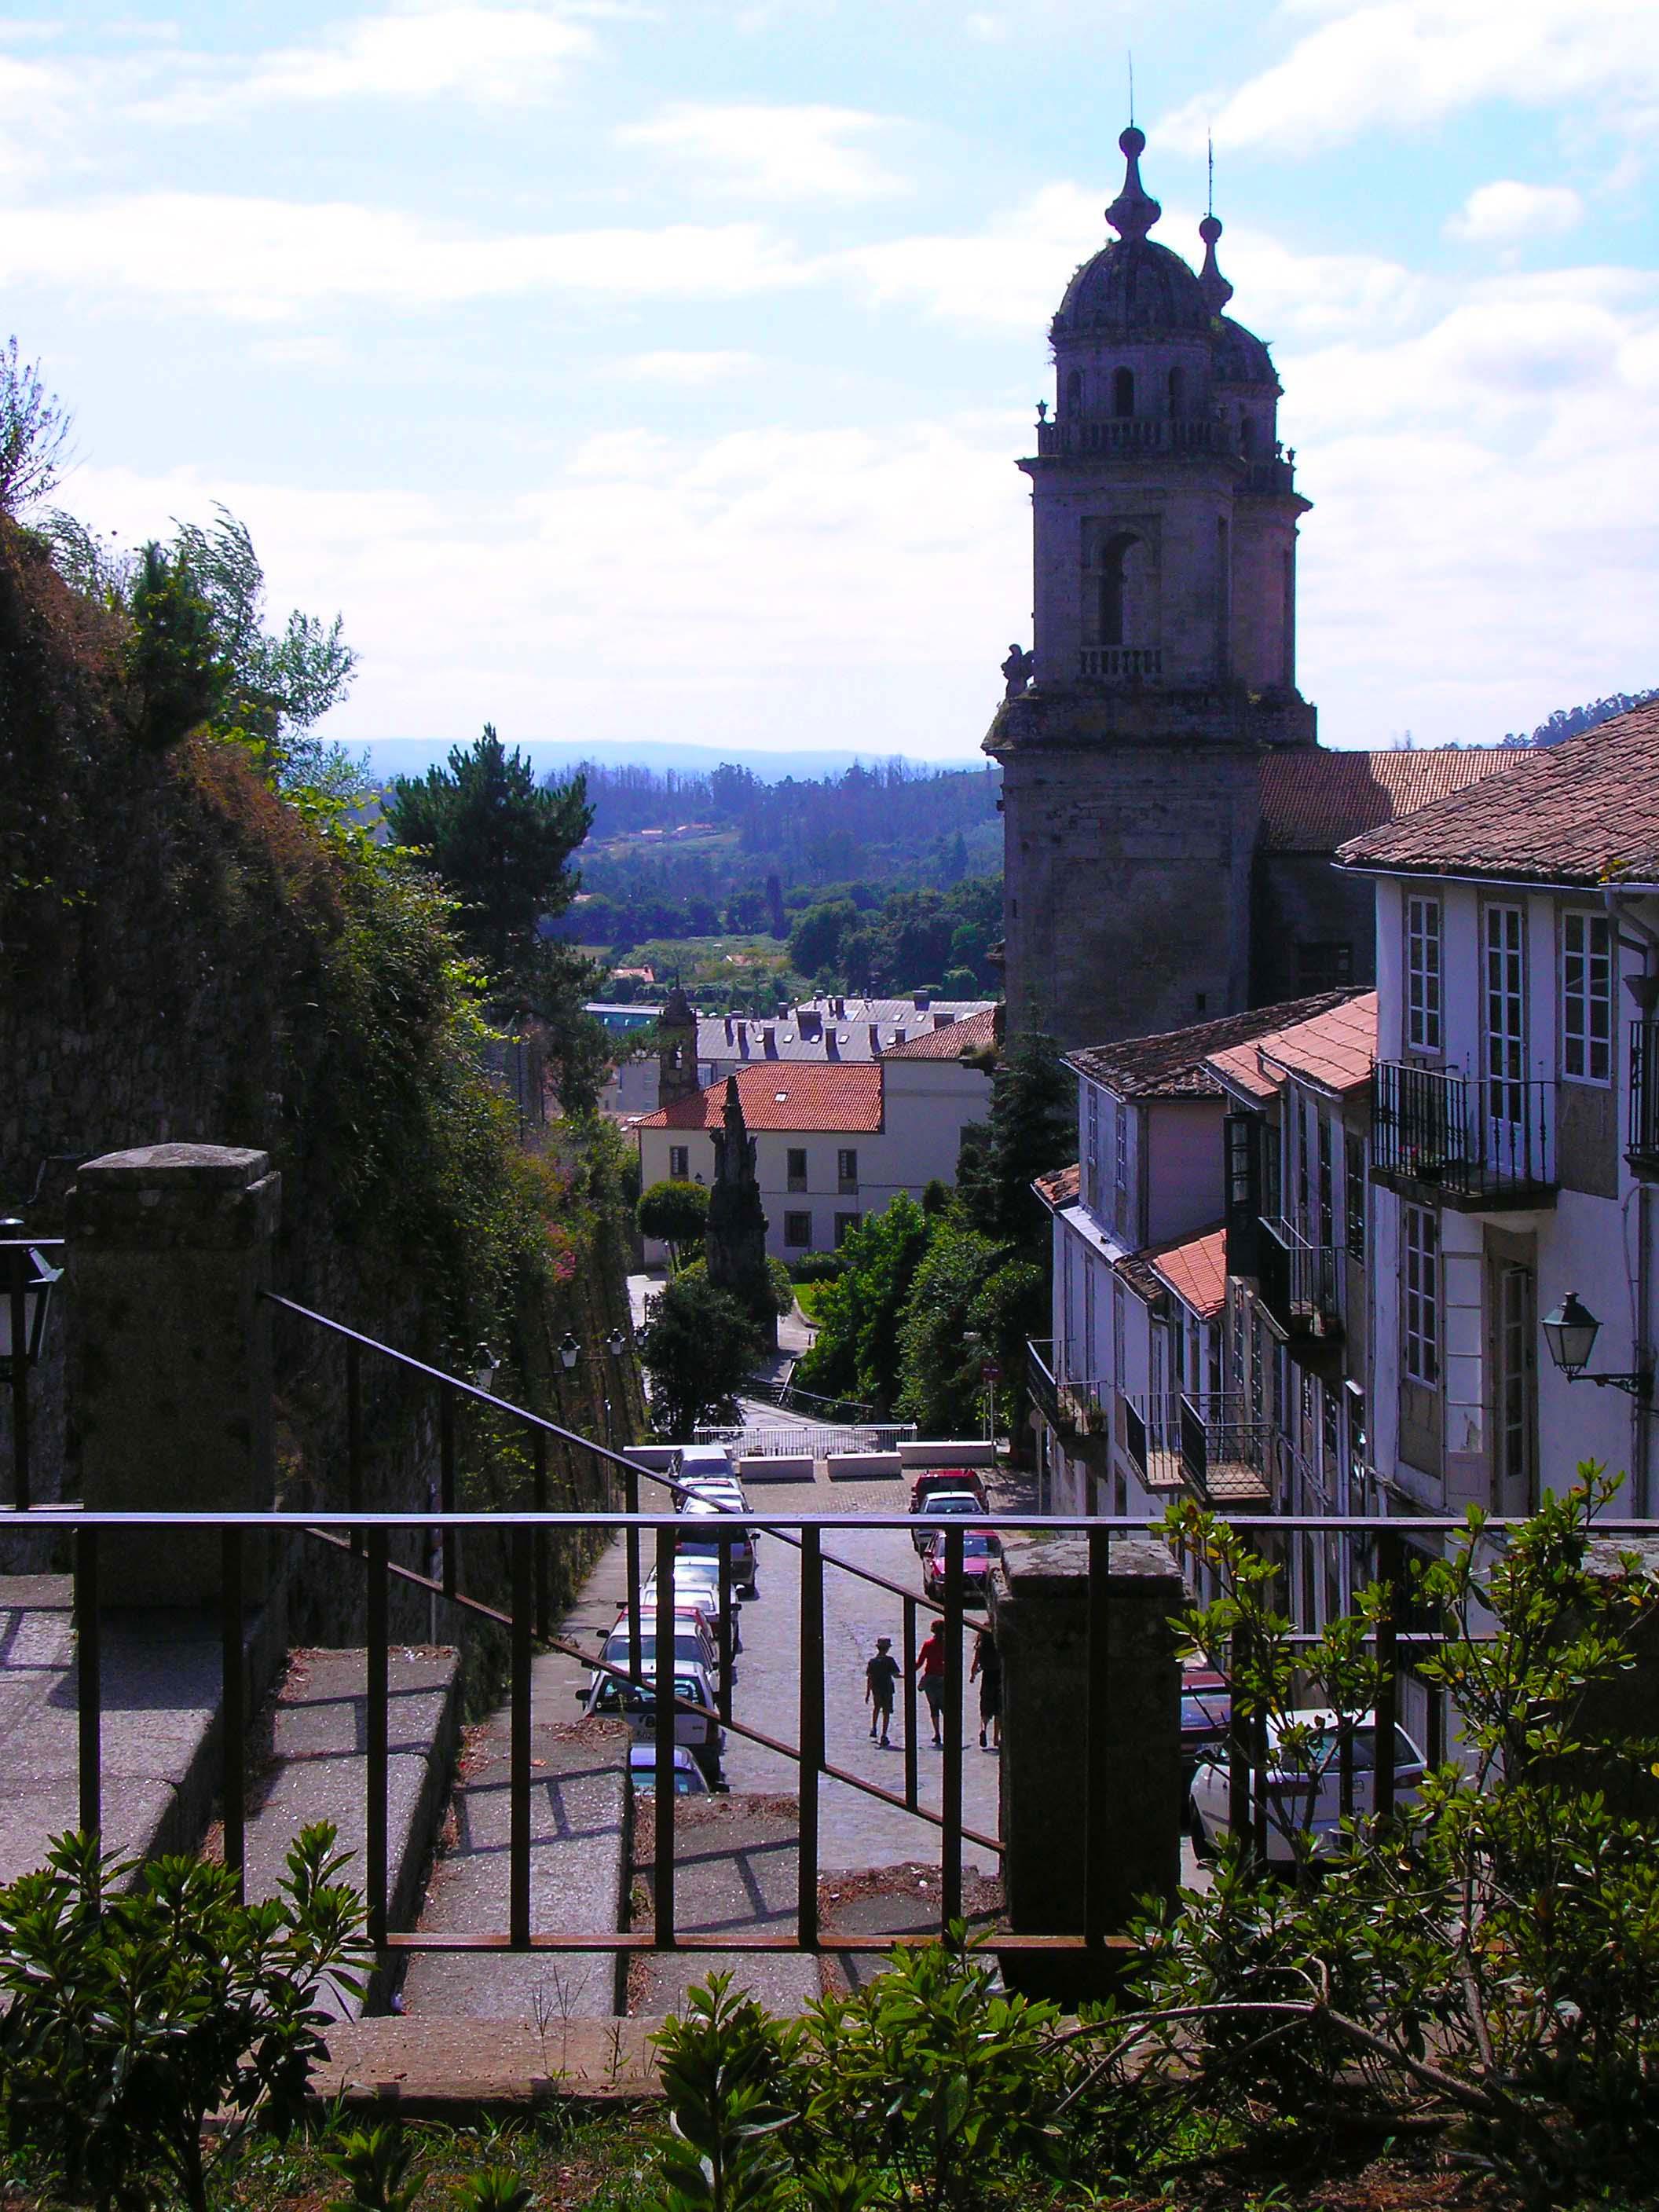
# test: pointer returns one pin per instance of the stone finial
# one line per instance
(1134, 210)
(1211, 282)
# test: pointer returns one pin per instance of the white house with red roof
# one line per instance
(835, 1141)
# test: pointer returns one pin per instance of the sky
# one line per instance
(656, 372)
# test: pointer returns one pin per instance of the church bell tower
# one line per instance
(1164, 517)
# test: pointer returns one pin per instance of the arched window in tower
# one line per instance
(1224, 600)
(1074, 392)
(1124, 612)
(1177, 390)
(1247, 434)
(1123, 392)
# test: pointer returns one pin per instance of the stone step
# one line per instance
(318, 1770)
(579, 1814)
(735, 1860)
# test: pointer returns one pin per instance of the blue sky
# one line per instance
(655, 372)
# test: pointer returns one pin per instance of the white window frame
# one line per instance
(1504, 975)
(1121, 1148)
(1425, 973)
(1588, 984)
(1420, 1295)
(1092, 1150)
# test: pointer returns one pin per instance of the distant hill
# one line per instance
(390, 756)
(1571, 722)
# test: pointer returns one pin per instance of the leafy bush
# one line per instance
(140, 2000)
(816, 1267)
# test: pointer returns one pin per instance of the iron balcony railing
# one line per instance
(1302, 1285)
(1212, 1443)
(1642, 1147)
(1072, 1406)
(1467, 1138)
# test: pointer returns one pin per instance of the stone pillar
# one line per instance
(1040, 1610)
(169, 1381)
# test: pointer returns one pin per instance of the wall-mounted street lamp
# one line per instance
(570, 1350)
(1570, 1333)
(485, 1367)
(27, 1279)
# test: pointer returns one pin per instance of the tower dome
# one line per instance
(1132, 285)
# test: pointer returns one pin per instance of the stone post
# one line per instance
(169, 1382)
(1040, 1610)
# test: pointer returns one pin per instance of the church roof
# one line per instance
(1171, 1065)
(1312, 801)
(1582, 811)
(807, 1099)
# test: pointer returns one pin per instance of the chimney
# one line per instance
(875, 1039)
(924, 999)
(769, 1043)
(831, 1048)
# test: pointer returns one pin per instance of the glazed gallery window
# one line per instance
(847, 1170)
(1586, 998)
(1091, 1152)
(796, 1165)
(679, 1162)
(1423, 975)
(1421, 1233)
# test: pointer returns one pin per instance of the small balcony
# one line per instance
(1079, 1412)
(1116, 663)
(1304, 1287)
(1213, 1445)
(1642, 1147)
(1475, 1145)
(1130, 433)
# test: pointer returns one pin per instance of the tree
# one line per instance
(975, 1298)
(499, 841)
(676, 1214)
(856, 1354)
(696, 1348)
(34, 429)
(174, 656)
(815, 940)
(1032, 1129)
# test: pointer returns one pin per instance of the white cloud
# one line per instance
(772, 153)
(265, 259)
(690, 369)
(470, 50)
(1505, 213)
(1394, 63)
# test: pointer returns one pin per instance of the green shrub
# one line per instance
(816, 1267)
(138, 2001)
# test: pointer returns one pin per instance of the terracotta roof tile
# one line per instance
(1063, 1188)
(1582, 811)
(955, 1040)
(786, 1095)
(1172, 1066)
(1311, 802)
(1334, 1052)
(1195, 1270)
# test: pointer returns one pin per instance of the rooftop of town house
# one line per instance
(804, 1098)
(1312, 801)
(1583, 812)
(958, 1040)
(832, 1029)
(1172, 1065)
(1060, 1189)
(1334, 1052)
(1195, 1269)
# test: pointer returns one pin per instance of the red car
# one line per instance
(980, 1554)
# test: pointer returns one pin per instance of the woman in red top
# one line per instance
(930, 1673)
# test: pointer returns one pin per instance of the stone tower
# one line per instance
(1165, 519)
(735, 1242)
(676, 1049)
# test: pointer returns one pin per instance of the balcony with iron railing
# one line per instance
(1303, 1286)
(1079, 1412)
(1642, 1134)
(1474, 1143)
(1214, 1444)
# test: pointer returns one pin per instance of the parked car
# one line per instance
(697, 1582)
(980, 1554)
(1207, 1713)
(698, 1461)
(702, 1541)
(944, 1505)
(927, 1479)
(700, 1732)
(689, 1780)
(1304, 1781)
(694, 1646)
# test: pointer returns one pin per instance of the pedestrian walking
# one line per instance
(930, 1673)
(987, 1669)
(880, 1677)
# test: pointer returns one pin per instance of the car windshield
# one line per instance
(616, 1697)
(952, 1501)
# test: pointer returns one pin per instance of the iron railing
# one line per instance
(25, 1271)
(1462, 1137)
(1073, 1407)
(1302, 1285)
(1212, 1443)
(1642, 1145)
(818, 1438)
(98, 1537)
